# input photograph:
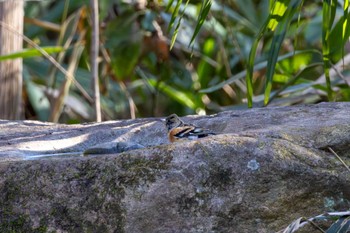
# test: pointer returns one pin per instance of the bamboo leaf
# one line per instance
(174, 14)
(173, 38)
(277, 41)
(235, 17)
(251, 61)
(170, 3)
(205, 8)
(271, 62)
(339, 37)
(125, 58)
(249, 10)
(278, 8)
(278, 11)
(256, 67)
(26, 53)
(205, 71)
(345, 24)
(340, 226)
(328, 17)
(179, 96)
(290, 88)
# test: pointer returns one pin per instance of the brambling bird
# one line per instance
(177, 129)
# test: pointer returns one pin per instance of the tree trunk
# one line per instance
(11, 17)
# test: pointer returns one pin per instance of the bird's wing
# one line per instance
(190, 132)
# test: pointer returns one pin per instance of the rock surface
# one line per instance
(265, 168)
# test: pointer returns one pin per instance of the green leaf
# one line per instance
(277, 41)
(121, 30)
(340, 226)
(179, 96)
(205, 70)
(290, 88)
(278, 11)
(329, 7)
(235, 17)
(205, 8)
(339, 37)
(268, 24)
(248, 9)
(174, 14)
(339, 34)
(36, 97)
(345, 34)
(279, 18)
(52, 14)
(124, 40)
(125, 58)
(256, 67)
(170, 3)
(281, 78)
(26, 53)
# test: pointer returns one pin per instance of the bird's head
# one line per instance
(173, 121)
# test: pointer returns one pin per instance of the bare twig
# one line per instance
(74, 19)
(59, 101)
(50, 58)
(43, 24)
(338, 72)
(301, 222)
(336, 69)
(27, 0)
(342, 161)
(132, 105)
(94, 56)
(315, 225)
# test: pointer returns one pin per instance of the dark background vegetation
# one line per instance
(204, 72)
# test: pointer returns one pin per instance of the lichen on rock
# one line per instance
(257, 175)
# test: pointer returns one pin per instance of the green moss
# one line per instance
(93, 228)
(219, 178)
(187, 205)
(15, 223)
(226, 221)
(41, 229)
(94, 181)
(12, 225)
(142, 169)
(9, 220)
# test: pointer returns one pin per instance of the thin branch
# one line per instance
(315, 225)
(94, 58)
(64, 90)
(50, 58)
(340, 159)
(132, 105)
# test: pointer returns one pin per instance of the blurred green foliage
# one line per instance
(209, 67)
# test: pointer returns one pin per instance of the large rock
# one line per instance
(265, 168)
